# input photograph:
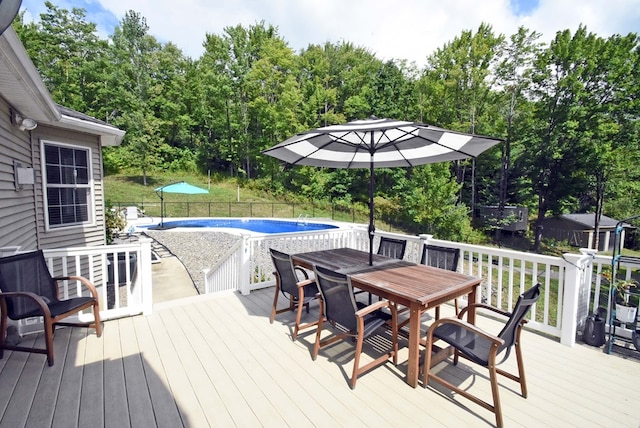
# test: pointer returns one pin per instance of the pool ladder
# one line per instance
(303, 220)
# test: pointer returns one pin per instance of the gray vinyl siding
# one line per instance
(22, 212)
(17, 209)
(80, 235)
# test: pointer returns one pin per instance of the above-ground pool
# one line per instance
(252, 225)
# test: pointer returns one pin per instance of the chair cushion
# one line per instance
(473, 346)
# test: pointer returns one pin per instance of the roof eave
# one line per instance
(23, 87)
(109, 136)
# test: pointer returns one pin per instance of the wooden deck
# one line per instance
(216, 361)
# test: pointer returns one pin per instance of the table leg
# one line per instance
(413, 364)
(472, 298)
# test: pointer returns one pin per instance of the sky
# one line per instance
(402, 29)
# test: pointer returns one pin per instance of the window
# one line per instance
(67, 174)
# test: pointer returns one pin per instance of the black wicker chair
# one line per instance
(483, 348)
(352, 319)
(299, 292)
(29, 290)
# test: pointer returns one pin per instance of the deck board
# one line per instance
(68, 397)
(92, 398)
(136, 387)
(115, 390)
(217, 361)
(44, 402)
(164, 407)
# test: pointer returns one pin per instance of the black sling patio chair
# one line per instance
(352, 319)
(28, 290)
(393, 248)
(443, 258)
(299, 292)
(483, 348)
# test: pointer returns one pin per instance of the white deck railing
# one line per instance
(566, 281)
(571, 284)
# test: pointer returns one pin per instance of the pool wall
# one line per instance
(238, 225)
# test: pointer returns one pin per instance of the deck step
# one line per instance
(160, 250)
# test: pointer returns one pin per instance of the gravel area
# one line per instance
(196, 250)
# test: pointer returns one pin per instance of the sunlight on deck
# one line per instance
(216, 361)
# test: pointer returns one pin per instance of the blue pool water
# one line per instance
(253, 225)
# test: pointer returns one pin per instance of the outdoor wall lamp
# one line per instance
(8, 11)
(24, 123)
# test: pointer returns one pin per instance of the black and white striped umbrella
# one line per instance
(378, 143)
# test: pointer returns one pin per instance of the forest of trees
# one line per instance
(568, 112)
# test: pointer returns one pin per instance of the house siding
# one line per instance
(17, 220)
(22, 212)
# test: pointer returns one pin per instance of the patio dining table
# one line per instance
(416, 286)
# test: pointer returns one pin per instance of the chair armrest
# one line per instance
(306, 282)
(372, 308)
(469, 327)
(302, 270)
(28, 294)
(483, 306)
(84, 281)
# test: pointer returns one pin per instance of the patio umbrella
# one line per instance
(179, 187)
(378, 143)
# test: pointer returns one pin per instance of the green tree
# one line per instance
(69, 55)
(456, 92)
(553, 150)
(132, 82)
(512, 83)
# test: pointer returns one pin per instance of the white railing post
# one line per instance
(146, 282)
(245, 267)
(205, 281)
(577, 284)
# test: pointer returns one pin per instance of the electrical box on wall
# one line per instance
(23, 175)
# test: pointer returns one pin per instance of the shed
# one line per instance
(579, 230)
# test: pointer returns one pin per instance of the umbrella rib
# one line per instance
(393, 142)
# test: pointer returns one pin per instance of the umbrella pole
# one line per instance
(372, 227)
(161, 210)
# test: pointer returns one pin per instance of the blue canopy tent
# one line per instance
(179, 187)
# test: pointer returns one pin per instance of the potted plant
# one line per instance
(625, 311)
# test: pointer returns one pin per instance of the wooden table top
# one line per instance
(396, 280)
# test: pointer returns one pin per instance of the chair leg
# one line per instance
(96, 317)
(316, 346)
(296, 328)
(356, 360)
(3, 328)
(427, 360)
(394, 333)
(48, 337)
(497, 408)
(522, 379)
(275, 303)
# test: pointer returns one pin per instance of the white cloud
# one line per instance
(407, 29)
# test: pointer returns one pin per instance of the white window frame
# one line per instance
(89, 186)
